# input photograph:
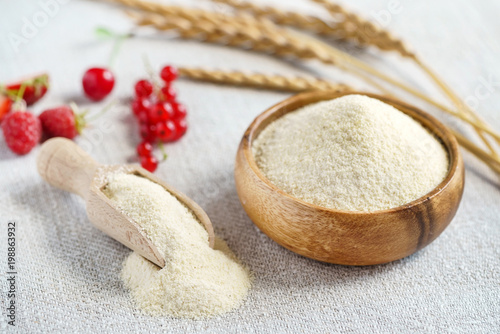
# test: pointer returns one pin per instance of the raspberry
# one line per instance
(61, 122)
(22, 131)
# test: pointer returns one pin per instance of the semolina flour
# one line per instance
(352, 153)
(197, 281)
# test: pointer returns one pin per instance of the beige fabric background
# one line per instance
(68, 277)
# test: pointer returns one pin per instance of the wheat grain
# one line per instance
(365, 32)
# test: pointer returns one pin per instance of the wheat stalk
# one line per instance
(299, 84)
(366, 32)
(349, 27)
(246, 32)
(277, 82)
(383, 39)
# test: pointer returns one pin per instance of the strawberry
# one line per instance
(30, 89)
(62, 122)
(22, 131)
(5, 105)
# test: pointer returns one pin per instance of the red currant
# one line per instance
(165, 131)
(144, 131)
(140, 105)
(143, 88)
(143, 117)
(180, 129)
(162, 111)
(98, 83)
(144, 149)
(179, 110)
(148, 132)
(152, 132)
(168, 73)
(168, 93)
(149, 163)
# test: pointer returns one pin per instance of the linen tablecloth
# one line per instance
(68, 272)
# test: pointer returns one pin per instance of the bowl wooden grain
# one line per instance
(347, 237)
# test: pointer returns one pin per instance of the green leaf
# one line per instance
(102, 32)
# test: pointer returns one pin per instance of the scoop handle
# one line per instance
(64, 165)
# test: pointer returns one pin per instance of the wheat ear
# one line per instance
(299, 84)
(277, 82)
(383, 39)
(366, 32)
(246, 32)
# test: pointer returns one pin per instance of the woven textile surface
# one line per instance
(68, 271)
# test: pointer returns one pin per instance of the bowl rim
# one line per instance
(443, 134)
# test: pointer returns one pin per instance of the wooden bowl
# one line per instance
(347, 237)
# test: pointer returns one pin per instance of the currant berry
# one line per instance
(152, 132)
(168, 93)
(180, 111)
(149, 163)
(144, 149)
(165, 131)
(168, 74)
(180, 129)
(143, 117)
(147, 133)
(162, 111)
(143, 88)
(141, 105)
(98, 83)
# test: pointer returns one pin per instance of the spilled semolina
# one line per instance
(197, 281)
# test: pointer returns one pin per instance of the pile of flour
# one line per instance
(352, 153)
(197, 281)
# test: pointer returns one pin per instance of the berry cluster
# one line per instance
(161, 118)
(22, 130)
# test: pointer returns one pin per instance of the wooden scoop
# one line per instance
(66, 166)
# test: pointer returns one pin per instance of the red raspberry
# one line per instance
(22, 131)
(61, 122)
